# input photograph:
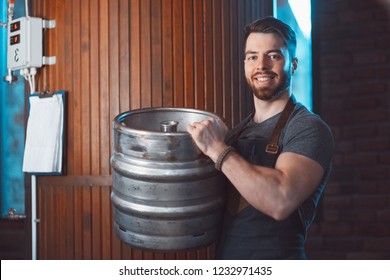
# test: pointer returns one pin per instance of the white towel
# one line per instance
(44, 136)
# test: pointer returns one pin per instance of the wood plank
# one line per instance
(59, 47)
(50, 219)
(240, 73)
(44, 225)
(121, 103)
(227, 79)
(191, 255)
(188, 40)
(50, 50)
(211, 251)
(97, 75)
(42, 229)
(85, 89)
(199, 63)
(74, 128)
(148, 255)
(170, 256)
(178, 87)
(159, 256)
(69, 222)
(78, 222)
(127, 252)
(156, 53)
(246, 98)
(106, 225)
(136, 254)
(62, 224)
(217, 56)
(146, 60)
(208, 58)
(236, 59)
(96, 217)
(167, 54)
(135, 63)
(116, 245)
(109, 80)
(68, 84)
(86, 213)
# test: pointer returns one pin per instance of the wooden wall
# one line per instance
(117, 55)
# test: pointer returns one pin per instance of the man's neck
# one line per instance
(269, 108)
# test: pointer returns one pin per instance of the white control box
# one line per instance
(25, 43)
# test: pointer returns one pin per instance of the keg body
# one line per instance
(166, 193)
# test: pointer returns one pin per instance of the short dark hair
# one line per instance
(273, 25)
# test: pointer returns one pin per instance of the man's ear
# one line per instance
(294, 64)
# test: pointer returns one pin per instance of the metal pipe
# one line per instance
(34, 219)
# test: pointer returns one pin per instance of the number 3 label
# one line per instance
(16, 56)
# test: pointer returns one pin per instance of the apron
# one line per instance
(248, 233)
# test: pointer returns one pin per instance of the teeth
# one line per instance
(262, 79)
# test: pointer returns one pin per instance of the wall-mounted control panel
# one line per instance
(25, 41)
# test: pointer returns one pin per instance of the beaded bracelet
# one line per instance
(222, 156)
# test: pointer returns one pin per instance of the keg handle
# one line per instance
(168, 126)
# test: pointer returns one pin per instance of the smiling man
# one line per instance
(277, 160)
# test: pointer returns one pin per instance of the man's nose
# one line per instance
(261, 63)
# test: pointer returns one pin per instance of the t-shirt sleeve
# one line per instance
(311, 137)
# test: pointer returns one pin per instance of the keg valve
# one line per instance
(168, 126)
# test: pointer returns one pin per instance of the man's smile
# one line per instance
(263, 78)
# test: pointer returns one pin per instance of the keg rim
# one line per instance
(117, 121)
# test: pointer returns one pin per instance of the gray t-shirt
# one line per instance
(304, 134)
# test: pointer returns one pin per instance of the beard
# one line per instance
(266, 93)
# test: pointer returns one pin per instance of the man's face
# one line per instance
(268, 67)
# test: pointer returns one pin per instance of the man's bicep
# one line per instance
(302, 174)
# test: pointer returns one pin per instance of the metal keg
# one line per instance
(166, 193)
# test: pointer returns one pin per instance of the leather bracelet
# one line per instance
(222, 156)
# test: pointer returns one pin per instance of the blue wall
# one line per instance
(302, 79)
(11, 126)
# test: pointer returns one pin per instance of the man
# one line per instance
(277, 182)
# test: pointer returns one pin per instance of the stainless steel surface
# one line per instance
(166, 194)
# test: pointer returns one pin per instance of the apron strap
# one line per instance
(273, 145)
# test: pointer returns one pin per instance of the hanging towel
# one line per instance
(44, 136)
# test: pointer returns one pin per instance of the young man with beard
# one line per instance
(277, 160)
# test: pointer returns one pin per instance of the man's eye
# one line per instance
(252, 57)
(274, 56)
